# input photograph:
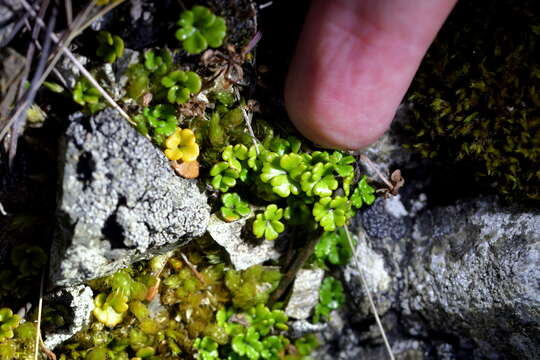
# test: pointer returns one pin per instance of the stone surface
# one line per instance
(476, 271)
(119, 201)
(241, 253)
(449, 281)
(78, 300)
(305, 293)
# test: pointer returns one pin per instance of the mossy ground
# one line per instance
(476, 97)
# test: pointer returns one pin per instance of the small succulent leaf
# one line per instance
(228, 181)
(195, 44)
(277, 226)
(230, 199)
(185, 32)
(193, 82)
(219, 168)
(186, 18)
(269, 172)
(241, 152)
(259, 226)
(290, 161)
(216, 32)
(270, 233)
(118, 46)
(229, 214)
(243, 210)
(281, 185)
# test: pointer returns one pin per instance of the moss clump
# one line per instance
(165, 304)
(16, 340)
(476, 97)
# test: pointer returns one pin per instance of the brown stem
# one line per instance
(303, 254)
(369, 163)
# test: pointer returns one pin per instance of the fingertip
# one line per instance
(353, 64)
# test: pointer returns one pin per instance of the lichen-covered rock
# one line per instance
(79, 300)
(242, 254)
(119, 201)
(475, 274)
(466, 274)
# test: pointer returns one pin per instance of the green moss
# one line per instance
(476, 95)
(16, 340)
(189, 302)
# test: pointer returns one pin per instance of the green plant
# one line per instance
(332, 212)
(264, 320)
(224, 177)
(251, 287)
(161, 119)
(318, 181)
(304, 346)
(331, 297)
(8, 322)
(110, 309)
(268, 224)
(111, 47)
(283, 172)
(362, 194)
(255, 339)
(138, 81)
(233, 207)
(333, 247)
(21, 344)
(111, 305)
(160, 64)
(316, 184)
(181, 85)
(19, 278)
(226, 173)
(207, 349)
(85, 94)
(200, 28)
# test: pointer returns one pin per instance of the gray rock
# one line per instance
(119, 201)
(242, 254)
(379, 223)
(378, 280)
(69, 72)
(299, 328)
(78, 300)
(475, 272)
(466, 274)
(305, 293)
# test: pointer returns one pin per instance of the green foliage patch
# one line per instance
(331, 297)
(111, 47)
(199, 29)
(316, 184)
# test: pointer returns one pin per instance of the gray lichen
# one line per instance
(119, 201)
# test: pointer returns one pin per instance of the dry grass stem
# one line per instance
(370, 298)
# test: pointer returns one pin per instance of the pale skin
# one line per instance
(353, 64)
